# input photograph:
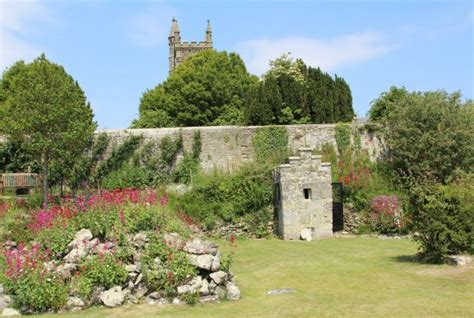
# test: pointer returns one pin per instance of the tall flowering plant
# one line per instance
(385, 214)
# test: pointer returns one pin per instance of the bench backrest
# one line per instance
(19, 180)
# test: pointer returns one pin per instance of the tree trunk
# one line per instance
(45, 180)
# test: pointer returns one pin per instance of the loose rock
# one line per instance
(458, 260)
(199, 247)
(281, 291)
(112, 297)
(219, 277)
(307, 235)
(233, 292)
(9, 312)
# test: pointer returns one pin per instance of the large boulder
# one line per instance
(233, 292)
(113, 297)
(219, 277)
(198, 246)
(201, 261)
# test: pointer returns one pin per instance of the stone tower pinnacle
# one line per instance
(179, 51)
(209, 32)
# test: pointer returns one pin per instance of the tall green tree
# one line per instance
(208, 88)
(264, 103)
(307, 94)
(387, 102)
(45, 110)
(429, 136)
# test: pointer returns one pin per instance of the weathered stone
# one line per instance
(204, 290)
(216, 263)
(137, 257)
(132, 268)
(9, 312)
(65, 270)
(95, 297)
(176, 301)
(233, 292)
(281, 291)
(174, 240)
(209, 299)
(141, 291)
(458, 260)
(183, 289)
(139, 279)
(212, 286)
(76, 254)
(82, 237)
(201, 261)
(306, 235)
(199, 247)
(154, 295)
(140, 239)
(5, 301)
(217, 154)
(220, 291)
(112, 297)
(219, 277)
(73, 302)
(163, 301)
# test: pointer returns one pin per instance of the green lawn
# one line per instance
(340, 277)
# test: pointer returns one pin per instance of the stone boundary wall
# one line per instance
(225, 148)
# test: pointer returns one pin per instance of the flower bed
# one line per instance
(116, 247)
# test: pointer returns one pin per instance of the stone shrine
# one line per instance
(303, 197)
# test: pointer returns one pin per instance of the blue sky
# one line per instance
(118, 49)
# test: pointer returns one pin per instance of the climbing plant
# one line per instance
(271, 143)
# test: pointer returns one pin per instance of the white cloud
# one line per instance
(18, 20)
(327, 54)
(151, 26)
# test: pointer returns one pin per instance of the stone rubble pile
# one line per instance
(212, 284)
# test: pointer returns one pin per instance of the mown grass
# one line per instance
(340, 277)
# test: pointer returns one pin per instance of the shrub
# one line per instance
(429, 136)
(165, 268)
(443, 218)
(128, 177)
(104, 270)
(386, 214)
(228, 198)
(37, 292)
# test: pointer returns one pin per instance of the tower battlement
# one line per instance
(179, 51)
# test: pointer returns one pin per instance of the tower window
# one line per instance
(307, 194)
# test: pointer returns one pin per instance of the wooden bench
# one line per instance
(18, 181)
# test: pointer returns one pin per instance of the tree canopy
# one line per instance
(208, 88)
(386, 102)
(44, 109)
(293, 93)
(429, 136)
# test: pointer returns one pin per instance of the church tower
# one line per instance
(179, 51)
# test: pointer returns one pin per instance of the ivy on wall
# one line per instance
(271, 144)
(343, 137)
